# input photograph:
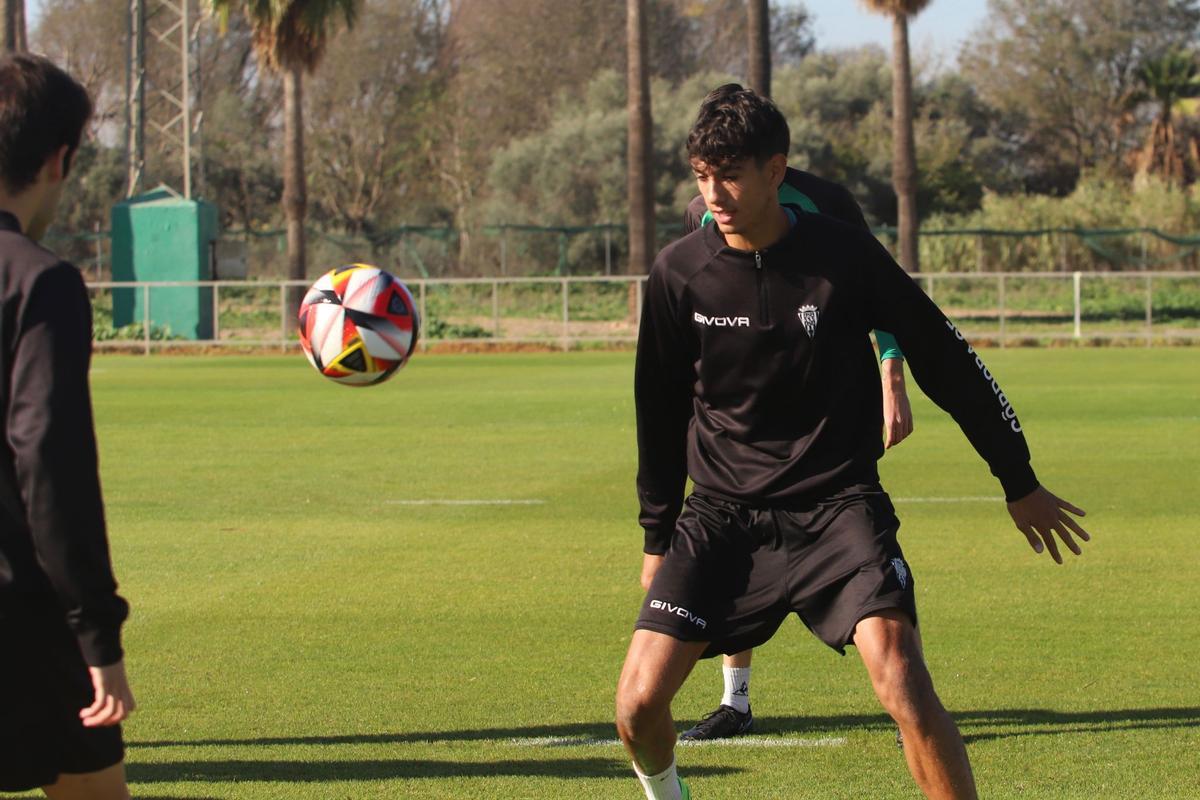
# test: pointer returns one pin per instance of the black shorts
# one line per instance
(733, 572)
(46, 683)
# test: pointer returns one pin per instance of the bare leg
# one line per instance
(107, 784)
(737, 660)
(936, 756)
(655, 667)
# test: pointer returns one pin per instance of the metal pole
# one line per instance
(638, 295)
(198, 81)
(1079, 316)
(504, 250)
(1001, 299)
(283, 316)
(185, 50)
(496, 308)
(400, 245)
(216, 312)
(99, 249)
(135, 100)
(424, 317)
(146, 318)
(566, 342)
(1149, 311)
(607, 250)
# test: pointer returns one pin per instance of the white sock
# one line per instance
(737, 688)
(663, 786)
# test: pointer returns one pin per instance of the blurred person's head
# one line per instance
(43, 112)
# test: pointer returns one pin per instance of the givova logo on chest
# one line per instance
(721, 322)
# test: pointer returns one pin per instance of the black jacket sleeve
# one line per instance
(947, 368)
(50, 431)
(846, 208)
(663, 399)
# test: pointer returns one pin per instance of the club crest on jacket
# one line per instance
(808, 317)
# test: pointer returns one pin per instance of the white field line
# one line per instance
(740, 741)
(433, 502)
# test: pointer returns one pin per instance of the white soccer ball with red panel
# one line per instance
(358, 325)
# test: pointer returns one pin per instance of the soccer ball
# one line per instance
(358, 325)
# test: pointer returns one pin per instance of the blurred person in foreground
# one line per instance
(61, 660)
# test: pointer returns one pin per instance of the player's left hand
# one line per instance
(1040, 514)
(897, 413)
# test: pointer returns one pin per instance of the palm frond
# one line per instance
(290, 33)
(891, 8)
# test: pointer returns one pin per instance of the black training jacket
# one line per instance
(53, 547)
(755, 374)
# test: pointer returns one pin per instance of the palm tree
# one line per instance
(759, 19)
(904, 154)
(290, 38)
(1168, 80)
(641, 136)
(13, 20)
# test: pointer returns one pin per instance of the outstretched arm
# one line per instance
(954, 376)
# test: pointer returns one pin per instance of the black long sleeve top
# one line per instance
(755, 374)
(53, 545)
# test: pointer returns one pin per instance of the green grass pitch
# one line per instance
(298, 631)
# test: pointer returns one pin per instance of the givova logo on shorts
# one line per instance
(679, 611)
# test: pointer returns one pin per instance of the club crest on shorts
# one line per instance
(901, 572)
(808, 317)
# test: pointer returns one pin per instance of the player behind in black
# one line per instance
(755, 377)
(60, 616)
(800, 193)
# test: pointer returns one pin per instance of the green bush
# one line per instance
(1070, 242)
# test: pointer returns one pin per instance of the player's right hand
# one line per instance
(650, 565)
(114, 699)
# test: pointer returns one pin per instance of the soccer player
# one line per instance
(800, 192)
(61, 661)
(755, 376)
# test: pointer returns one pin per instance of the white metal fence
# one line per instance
(1004, 308)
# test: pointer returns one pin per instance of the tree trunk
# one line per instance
(760, 46)
(904, 154)
(13, 35)
(641, 134)
(295, 194)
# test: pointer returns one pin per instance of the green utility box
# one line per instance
(160, 236)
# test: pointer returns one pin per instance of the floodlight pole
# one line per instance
(186, 120)
(176, 130)
(135, 98)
